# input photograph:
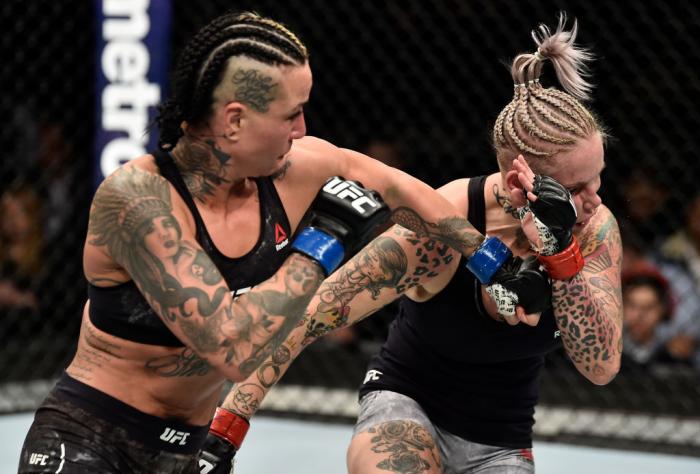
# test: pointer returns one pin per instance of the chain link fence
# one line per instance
(417, 82)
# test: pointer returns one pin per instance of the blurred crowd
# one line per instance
(660, 275)
(40, 284)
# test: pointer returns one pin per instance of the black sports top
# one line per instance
(122, 311)
(473, 376)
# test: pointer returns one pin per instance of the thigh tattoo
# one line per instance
(403, 441)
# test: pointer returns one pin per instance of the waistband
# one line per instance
(154, 432)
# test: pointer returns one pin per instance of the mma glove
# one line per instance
(341, 220)
(509, 280)
(224, 439)
(555, 215)
(521, 282)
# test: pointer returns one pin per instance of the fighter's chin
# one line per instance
(284, 165)
(583, 223)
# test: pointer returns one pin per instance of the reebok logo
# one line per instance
(281, 239)
(171, 436)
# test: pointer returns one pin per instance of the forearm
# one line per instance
(588, 307)
(418, 207)
(259, 321)
(355, 291)
(589, 330)
(245, 397)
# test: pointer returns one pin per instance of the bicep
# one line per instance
(134, 220)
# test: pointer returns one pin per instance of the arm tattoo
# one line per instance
(246, 399)
(456, 232)
(383, 264)
(132, 216)
(380, 272)
(588, 308)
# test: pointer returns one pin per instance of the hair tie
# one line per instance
(539, 56)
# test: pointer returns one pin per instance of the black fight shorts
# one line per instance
(79, 430)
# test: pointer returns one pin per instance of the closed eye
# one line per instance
(295, 115)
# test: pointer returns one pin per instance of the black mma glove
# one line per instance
(521, 282)
(340, 221)
(509, 280)
(224, 439)
(555, 215)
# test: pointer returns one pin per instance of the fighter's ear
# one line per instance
(233, 114)
(515, 189)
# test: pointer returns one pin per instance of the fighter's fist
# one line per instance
(342, 219)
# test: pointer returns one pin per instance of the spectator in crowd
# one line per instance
(648, 304)
(645, 198)
(21, 247)
(683, 247)
(682, 250)
(57, 179)
(681, 332)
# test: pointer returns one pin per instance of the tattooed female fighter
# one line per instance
(454, 389)
(198, 261)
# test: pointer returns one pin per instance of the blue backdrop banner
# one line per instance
(133, 46)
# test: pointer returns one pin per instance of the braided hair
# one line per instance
(541, 122)
(205, 58)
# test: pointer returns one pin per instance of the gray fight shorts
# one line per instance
(459, 456)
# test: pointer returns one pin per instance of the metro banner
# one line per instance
(133, 46)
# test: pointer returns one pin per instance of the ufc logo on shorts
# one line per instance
(172, 436)
(372, 375)
(39, 459)
(345, 190)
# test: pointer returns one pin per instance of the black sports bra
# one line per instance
(122, 310)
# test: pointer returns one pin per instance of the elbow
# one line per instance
(235, 376)
(231, 372)
(605, 375)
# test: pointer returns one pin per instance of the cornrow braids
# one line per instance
(205, 58)
(541, 122)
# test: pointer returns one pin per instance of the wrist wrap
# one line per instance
(565, 264)
(488, 258)
(229, 426)
(320, 246)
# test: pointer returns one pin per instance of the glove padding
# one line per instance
(349, 212)
(216, 456)
(521, 282)
(555, 214)
(226, 434)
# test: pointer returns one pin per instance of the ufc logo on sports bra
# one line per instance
(344, 190)
(173, 436)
